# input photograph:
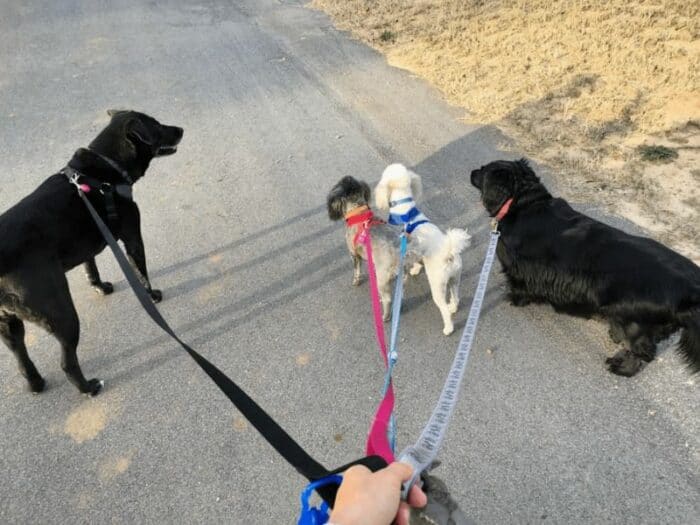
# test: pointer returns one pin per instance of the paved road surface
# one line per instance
(277, 106)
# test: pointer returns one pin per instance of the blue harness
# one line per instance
(409, 220)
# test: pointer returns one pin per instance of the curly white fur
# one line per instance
(440, 252)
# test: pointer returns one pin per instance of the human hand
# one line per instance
(374, 498)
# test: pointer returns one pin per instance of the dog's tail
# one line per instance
(689, 347)
(457, 241)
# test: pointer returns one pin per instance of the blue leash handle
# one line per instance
(316, 515)
(393, 345)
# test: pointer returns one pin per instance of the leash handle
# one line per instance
(316, 515)
(425, 450)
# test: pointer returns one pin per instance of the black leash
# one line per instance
(275, 435)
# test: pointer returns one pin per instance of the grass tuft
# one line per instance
(387, 36)
(657, 153)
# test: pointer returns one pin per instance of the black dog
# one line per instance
(50, 231)
(554, 254)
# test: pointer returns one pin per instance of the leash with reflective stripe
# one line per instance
(393, 341)
(425, 450)
(273, 433)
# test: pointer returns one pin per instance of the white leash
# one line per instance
(425, 451)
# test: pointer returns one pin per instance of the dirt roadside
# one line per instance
(605, 93)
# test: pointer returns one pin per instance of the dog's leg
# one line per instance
(663, 331)
(12, 334)
(642, 350)
(517, 294)
(50, 305)
(438, 288)
(454, 292)
(66, 329)
(384, 279)
(93, 277)
(136, 254)
(357, 269)
(616, 331)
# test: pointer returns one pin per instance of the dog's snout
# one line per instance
(172, 134)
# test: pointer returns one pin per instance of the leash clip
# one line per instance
(73, 179)
(362, 236)
(316, 515)
(408, 458)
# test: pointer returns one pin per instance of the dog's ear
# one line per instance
(381, 195)
(139, 131)
(366, 191)
(416, 186)
(523, 178)
(526, 171)
(336, 204)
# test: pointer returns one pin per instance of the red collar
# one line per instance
(363, 218)
(504, 209)
(359, 215)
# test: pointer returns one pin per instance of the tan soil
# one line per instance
(579, 84)
(85, 422)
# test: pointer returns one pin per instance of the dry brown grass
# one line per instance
(491, 57)
(580, 83)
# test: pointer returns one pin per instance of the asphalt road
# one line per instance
(277, 106)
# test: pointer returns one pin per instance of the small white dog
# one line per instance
(439, 252)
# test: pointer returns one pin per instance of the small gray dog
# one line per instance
(350, 197)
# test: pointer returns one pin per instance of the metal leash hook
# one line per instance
(316, 515)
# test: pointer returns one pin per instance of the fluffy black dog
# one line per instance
(553, 254)
(50, 231)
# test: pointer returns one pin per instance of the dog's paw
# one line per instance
(448, 329)
(624, 363)
(156, 295)
(36, 384)
(356, 281)
(103, 288)
(453, 307)
(94, 386)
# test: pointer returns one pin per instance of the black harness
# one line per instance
(107, 190)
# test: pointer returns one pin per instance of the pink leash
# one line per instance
(377, 439)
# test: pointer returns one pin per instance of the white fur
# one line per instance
(440, 252)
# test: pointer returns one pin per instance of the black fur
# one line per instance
(50, 231)
(348, 189)
(553, 254)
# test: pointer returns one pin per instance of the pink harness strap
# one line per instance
(377, 439)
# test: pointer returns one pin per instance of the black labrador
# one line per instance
(553, 254)
(50, 231)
